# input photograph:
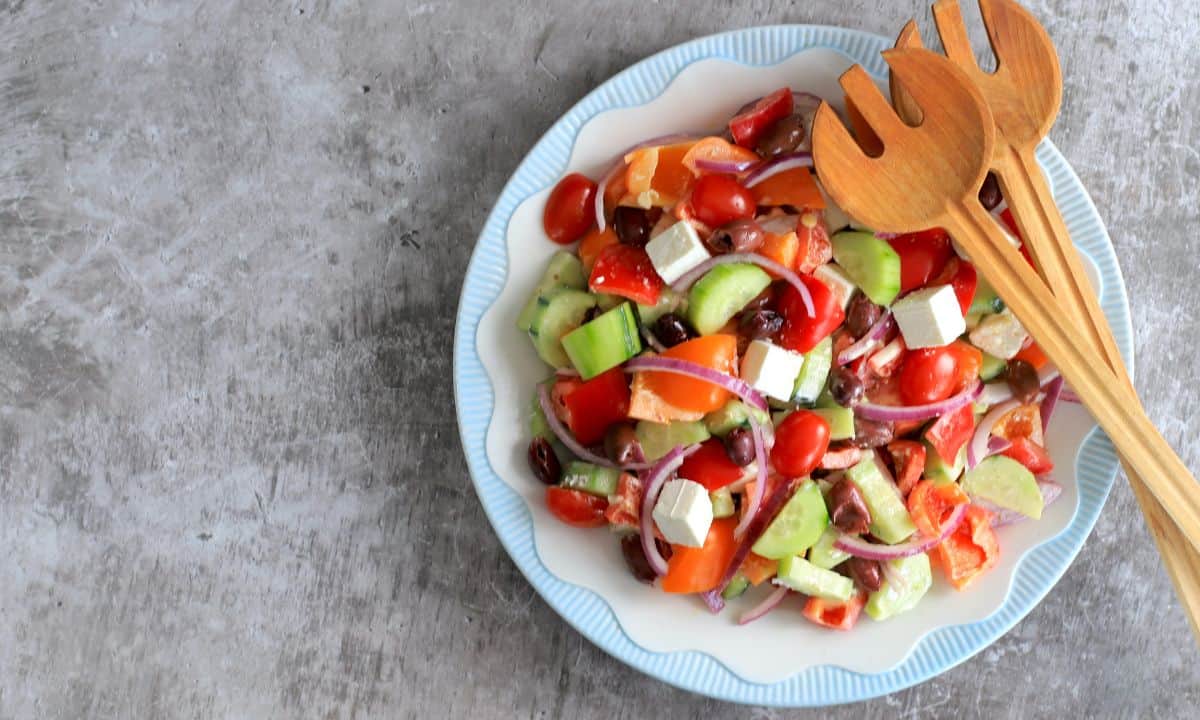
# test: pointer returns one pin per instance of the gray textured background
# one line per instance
(232, 237)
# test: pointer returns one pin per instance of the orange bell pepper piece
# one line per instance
(718, 352)
(795, 187)
(696, 570)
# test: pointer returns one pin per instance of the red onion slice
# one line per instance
(978, 449)
(868, 342)
(861, 548)
(805, 103)
(786, 273)
(1068, 395)
(737, 386)
(1054, 390)
(566, 373)
(767, 605)
(780, 224)
(998, 392)
(1003, 516)
(760, 480)
(997, 445)
(776, 165)
(725, 167)
(658, 475)
(652, 341)
(564, 435)
(892, 413)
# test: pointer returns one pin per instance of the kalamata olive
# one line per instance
(632, 225)
(872, 433)
(861, 315)
(544, 462)
(867, 574)
(739, 444)
(989, 194)
(1022, 379)
(671, 330)
(591, 314)
(847, 509)
(784, 136)
(635, 558)
(760, 324)
(621, 444)
(738, 236)
(765, 300)
(846, 388)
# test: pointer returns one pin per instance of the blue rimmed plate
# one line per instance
(779, 660)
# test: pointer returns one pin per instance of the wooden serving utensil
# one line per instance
(946, 158)
(1024, 94)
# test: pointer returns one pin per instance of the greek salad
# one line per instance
(760, 396)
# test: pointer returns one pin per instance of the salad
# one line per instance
(760, 396)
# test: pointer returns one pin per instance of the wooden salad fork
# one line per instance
(1024, 94)
(929, 176)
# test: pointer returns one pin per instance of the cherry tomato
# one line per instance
(746, 126)
(718, 199)
(800, 332)
(932, 374)
(570, 209)
(575, 507)
(800, 442)
(960, 275)
(927, 376)
(922, 256)
(626, 271)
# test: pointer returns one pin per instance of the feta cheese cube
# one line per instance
(838, 282)
(1001, 335)
(771, 370)
(930, 317)
(683, 512)
(676, 250)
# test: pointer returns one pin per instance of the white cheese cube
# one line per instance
(1001, 335)
(676, 250)
(930, 317)
(771, 370)
(838, 282)
(683, 512)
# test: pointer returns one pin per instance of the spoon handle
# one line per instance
(1109, 400)
(1045, 234)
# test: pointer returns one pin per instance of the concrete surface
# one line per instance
(232, 237)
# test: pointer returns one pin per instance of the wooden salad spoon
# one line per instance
(929, 176)
(1024, 94)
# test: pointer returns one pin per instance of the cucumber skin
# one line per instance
(563, 271)
(722, 293)
(818, 362)
(890, 521)
(603, 343)
(558, 312)
(591, 479)
(802, 576)
(871, 263)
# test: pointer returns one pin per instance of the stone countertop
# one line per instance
(232, 239)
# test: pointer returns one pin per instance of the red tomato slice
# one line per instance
(710, 466)
(626, 271)
(625, 508)
(951, 431)
(923, 255)
(596, 404)
(815, 247)
(960, 275)
(748, 125)
(1031, 455)
(800, 332)
(575, 507)
(839, 616)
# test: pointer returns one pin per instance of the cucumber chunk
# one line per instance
(823, 554)
(986, 300)
(564, 270)
(940, 471)
(603, 343)
(913, 579)
(811, 380)
(658, 439)
(738, 585)
(668, 301)
(1005, 482)
(841, 422)
(804, 577)
(538, 427)
(556, 313)
(722, 503)
(991, 367)
(591, 479)
(734, 413)
(797, 526)
(722, 293)
(871, 263)
(889, 518)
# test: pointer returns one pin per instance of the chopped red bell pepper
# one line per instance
(626, 271)
(908, 460)
(594, 405)
(951, 431)
(1033, 456)
(839, 616)
(970, 550)
(710, 466)
(747, 126)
